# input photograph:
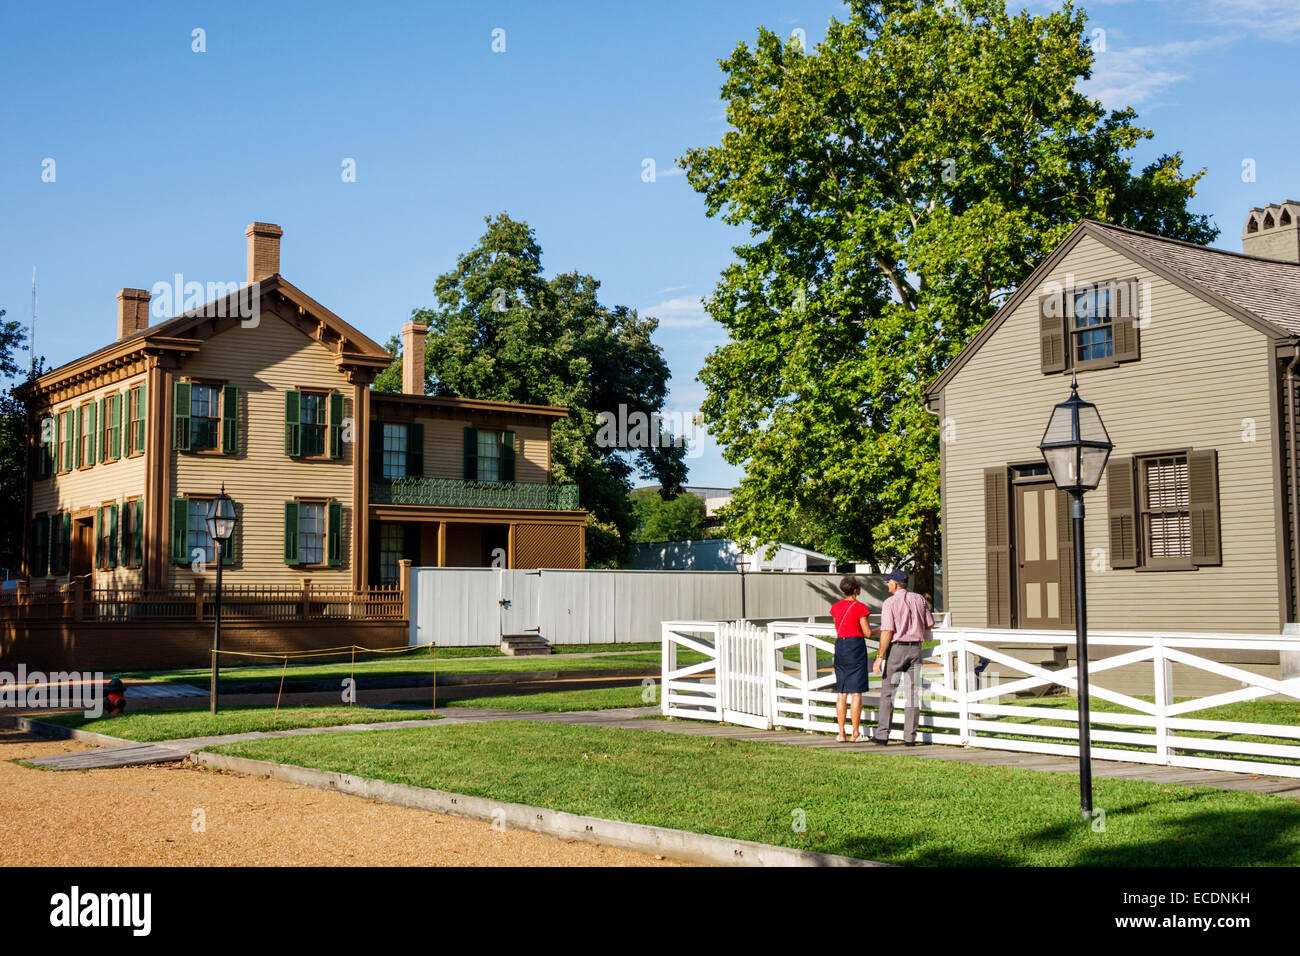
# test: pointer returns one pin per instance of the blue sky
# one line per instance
(163, 155)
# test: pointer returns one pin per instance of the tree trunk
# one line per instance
(923, 565)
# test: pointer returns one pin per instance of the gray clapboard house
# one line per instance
(1191, 355)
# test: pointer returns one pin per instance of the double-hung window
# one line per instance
(312, 418)
(489, 456)
(396, 439)
(205, 416)
(1166, 510)
(1092, 336)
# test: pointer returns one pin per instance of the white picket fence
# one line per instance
(747, 678)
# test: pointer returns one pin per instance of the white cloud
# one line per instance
(1267, 19)
(679, 313)
(1138, 76)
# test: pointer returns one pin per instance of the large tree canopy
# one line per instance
(500, 330)
(898, 182)
(13, 442)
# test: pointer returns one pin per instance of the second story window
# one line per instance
(313, 424)
(110, 448)
(65, 441)
(135, 436)
(396, 438)
(312, 420)
(1092, 335)
(489, 455)
(86, 435)
(205, 416)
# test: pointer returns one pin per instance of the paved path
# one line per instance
(639, 718)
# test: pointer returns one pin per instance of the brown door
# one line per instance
(81, 560)
(1038, 557)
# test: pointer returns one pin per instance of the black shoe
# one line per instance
(909, 743)
(878, 742)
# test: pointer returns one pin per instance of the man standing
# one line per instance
(904, 619)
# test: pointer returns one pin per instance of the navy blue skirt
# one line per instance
(851, 668)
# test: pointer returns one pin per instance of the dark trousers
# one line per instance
(903, 659)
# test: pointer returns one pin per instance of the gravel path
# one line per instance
(144, 816)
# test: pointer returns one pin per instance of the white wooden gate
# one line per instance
(729, 685)
(743, 657)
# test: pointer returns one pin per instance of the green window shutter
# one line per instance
(336, 424)
(99, 545)
(415, 450)
(180, 531)
(44, 441)
(1053, 337)
(65, 541)
(508, 456)
(1203, 502)
(471, 454)
(39, 561)
(997, 548)
(334, 533)
(141, 404)
(228, 549)
(1121, 513)
(292, 426)
(1124, 313)
(137, 537)
(181, 416)
(230, 419)
(291, 532)
(110, 559)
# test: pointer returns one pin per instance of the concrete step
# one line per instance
(524, 645)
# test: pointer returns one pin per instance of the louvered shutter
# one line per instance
(334, 533)
(120, 420)
(230, 419)
(1052, 333)
(376, 450)
(180, 531)
(508, 456)
(1065, 554)
(110, 558)
(291, 532)
(1124, 311)
(997, 548)
(336, 424)
(415, 450)
(137, 539)
(76, 436)
(1121, 513)
(1203, 502)
(470, 471)
(65, 541)
(99, 537)
(292, 425)
(181, 416)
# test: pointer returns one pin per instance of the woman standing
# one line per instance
(852, 626)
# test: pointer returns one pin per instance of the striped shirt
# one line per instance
(907, 615)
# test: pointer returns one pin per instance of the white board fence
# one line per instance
(774, 676)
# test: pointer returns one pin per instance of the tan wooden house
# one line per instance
(1191, 355)
(266, 392)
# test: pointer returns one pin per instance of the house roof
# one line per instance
(1263, 293)
(183, 332)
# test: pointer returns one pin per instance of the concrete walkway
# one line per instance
(640, 718)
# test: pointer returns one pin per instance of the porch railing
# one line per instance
(240, 602)
(454, 493)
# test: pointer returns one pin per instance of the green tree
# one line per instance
(13, 443)
(898, 182)
(502, 331)
(659, 517)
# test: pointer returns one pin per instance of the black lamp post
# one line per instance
(1076, 447)
(220, 520)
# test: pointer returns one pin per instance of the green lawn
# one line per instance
(172, 723)
(417, 665)
(598, 698)
(875, 806)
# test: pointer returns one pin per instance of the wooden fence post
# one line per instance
(306, 599)
(404, 582)
(198, 600)
(78, 599)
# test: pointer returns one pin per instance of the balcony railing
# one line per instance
(454, 493)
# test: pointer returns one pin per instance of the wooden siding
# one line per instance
(444, 448)
(1201, 374)
(264, 362)
(90, 487)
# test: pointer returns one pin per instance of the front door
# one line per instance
(1040, 522)
(81, 560)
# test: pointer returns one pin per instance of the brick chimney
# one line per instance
(263, 250)
(132, 312)
(1273, 232)
(413, 357)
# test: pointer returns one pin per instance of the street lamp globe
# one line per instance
(1075, 445)
(221, 516)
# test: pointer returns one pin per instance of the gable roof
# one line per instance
(184, 332)
(1263, 293)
